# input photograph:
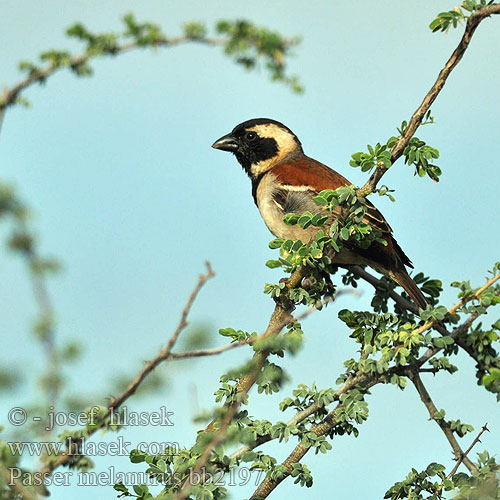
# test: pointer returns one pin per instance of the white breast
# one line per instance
(273, 214)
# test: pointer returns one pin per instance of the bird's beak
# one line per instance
(226, 143)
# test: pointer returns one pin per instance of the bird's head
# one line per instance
(260, 144)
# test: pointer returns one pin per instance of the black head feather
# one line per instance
(242, 127)
(248, 146)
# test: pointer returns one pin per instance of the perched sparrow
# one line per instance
(285, 180)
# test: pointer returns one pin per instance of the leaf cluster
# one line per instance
(432, 483)
(248, 44)
(345, 211)
(452, 18)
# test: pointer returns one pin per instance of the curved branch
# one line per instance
(10, 95)
(415, 121)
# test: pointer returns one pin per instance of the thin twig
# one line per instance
(297, 418)
(443, 424)
(459, 330)
(433, 370)
(45, 307)
(163, 355)
(165, 352)
(251, 340)
(219, 436)
(199, 353)
(466, 452)
(429, 324)
(10, 95)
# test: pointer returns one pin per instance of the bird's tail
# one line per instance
(402, 278)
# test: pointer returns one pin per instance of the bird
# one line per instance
(285, 180)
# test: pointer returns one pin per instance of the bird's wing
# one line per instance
(304, 176)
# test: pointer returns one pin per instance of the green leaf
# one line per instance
(291, 219)
(276, 243)
(344, 233)
(273, 264)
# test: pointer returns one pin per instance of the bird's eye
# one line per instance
(250, 136)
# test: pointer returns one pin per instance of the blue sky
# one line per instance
(129, 195)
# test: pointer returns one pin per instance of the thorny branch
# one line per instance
(461, 303)
(467, 451)
(362, 380)
(313, 408)
(279, 319)
(225, 421)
